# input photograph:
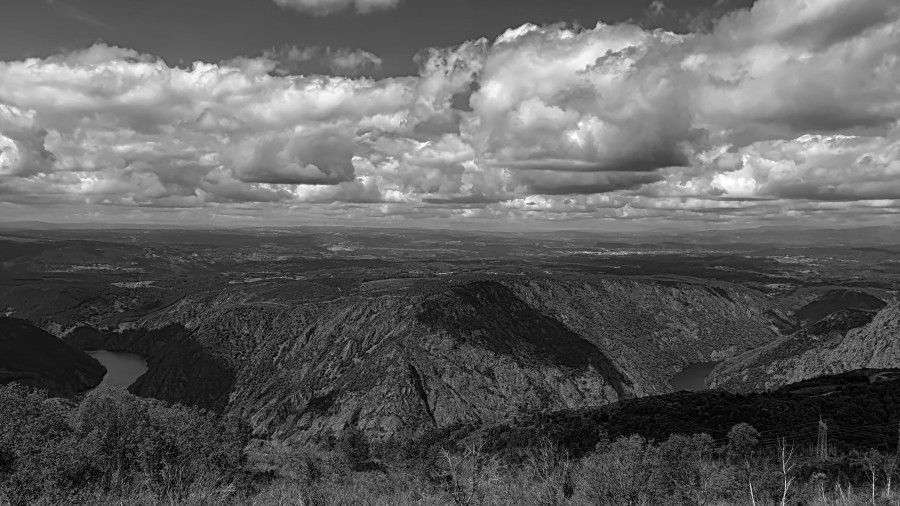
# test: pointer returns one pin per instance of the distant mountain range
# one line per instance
(793, 236)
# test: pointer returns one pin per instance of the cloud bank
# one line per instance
(790, 109)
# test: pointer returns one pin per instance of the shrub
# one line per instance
(110, 441)
(353, 445)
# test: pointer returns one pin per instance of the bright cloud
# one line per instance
(789, 108)
(22, 151)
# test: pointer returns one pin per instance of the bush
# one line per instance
(112, 448)
(618, 473)
(110, 441)
(353, 445)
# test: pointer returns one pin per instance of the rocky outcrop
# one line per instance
(33, 357)
(843, 341)
(476, 350)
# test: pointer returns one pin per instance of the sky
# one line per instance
(520, 114)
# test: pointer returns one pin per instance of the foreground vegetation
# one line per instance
(114, 448)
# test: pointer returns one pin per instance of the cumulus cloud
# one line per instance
(326, 7)
(589, 103)
(318, 157)
(128, 129)
(22, 151)
(816, 167)
(790, 108)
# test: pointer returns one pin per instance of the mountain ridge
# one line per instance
(845, 340)
(472, 350)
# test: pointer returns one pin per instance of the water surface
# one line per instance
(693, 377)
(122, 369)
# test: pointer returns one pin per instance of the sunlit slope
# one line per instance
(843, 341)
(461, 350)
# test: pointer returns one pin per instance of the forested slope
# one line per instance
(842, 341)
(472, 350)
(31, 356)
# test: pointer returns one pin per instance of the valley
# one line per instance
(313, 361)
(450, 253)
(305, 332)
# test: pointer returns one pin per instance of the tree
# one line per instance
(889, 469)
(52, 450)
(105, 419)
(690, 471)
(469, 474)
(618, 473)
(871, 462)
(787, 469)
(742, 441)
(549, 474)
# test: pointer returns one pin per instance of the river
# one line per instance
(122, 368)
(693, 377)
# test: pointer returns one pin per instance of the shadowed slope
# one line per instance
(33, 357)
(489, 315)
(466, 350)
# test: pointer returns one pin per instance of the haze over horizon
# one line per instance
(532, 115)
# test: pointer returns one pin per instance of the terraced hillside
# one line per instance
(402, 359)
